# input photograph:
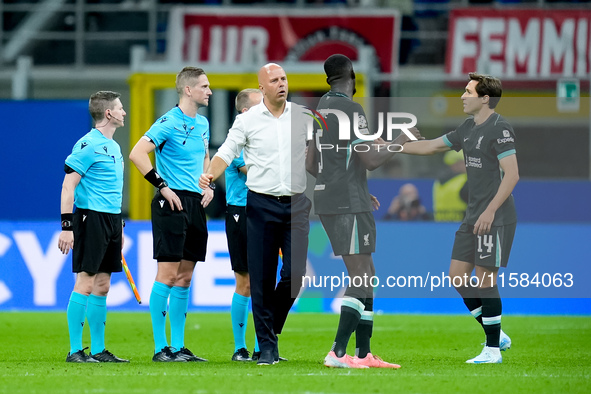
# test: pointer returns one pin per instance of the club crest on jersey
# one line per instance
(506, 133)
(362, 122)
(479, 141)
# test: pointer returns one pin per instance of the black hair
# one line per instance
(338, 67)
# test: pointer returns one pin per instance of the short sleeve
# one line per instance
(82, 157)
(453, 140)
(503, 141)
(160, 130)
(359, 118)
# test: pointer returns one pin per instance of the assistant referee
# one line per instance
(180, 139)
(94, 183)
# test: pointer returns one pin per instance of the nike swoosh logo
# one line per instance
(483, 257)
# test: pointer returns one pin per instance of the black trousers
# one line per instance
(274, 223)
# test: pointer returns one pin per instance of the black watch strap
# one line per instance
(67, 219)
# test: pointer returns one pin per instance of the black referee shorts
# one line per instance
(236, 235)
(97, 242)
(179, 235)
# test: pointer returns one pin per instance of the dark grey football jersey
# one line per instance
(484, 145)
(341, 183)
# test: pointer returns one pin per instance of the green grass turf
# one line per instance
(549, 355)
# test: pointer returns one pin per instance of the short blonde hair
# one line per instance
(187, 77)
(243, 99)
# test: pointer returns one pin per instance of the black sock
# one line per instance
(472, 300)
(492, 309)
(364, 330)
(351, 310)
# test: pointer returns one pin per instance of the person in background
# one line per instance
(407, 206)
(236, 191)
(450, 190)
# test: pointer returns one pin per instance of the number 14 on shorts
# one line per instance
(486, 241)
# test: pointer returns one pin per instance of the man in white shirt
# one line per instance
(274, 143)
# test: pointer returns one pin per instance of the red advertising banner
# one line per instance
(254, 36)
(527, 43)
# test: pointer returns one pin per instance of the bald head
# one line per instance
(273, 84)
(266, 70)
(408, 190)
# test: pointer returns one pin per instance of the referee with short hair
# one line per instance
(180, 139)
(274, 145)
(94, 183)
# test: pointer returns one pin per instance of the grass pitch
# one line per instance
(549, 355)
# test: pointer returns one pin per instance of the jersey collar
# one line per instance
(337, 94)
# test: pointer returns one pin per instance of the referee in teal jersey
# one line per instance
(180, 141)
(94, 184)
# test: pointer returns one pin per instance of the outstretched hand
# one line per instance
(416, 133)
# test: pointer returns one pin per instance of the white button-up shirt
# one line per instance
(274, 149)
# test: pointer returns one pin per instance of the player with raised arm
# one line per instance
(236, 191)
(485, 237)
(180, 139)
(343, 202)
(94, 184)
